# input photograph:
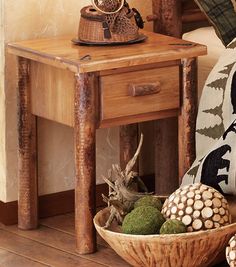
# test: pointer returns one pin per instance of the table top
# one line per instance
(62, 53)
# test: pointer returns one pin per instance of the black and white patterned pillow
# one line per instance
(215, 163)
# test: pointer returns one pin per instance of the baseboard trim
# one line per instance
(59, 203)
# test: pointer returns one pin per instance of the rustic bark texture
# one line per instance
(166, 156)
(145, 89)
(157, 52)
(188, 13)
(168, 17)
(191, 13)
(28, 189)
(85, 167)
(168, 22)
(128, 144)
(188, 114)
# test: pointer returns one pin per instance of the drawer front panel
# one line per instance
(139, 92)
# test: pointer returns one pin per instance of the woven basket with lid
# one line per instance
(107, 24)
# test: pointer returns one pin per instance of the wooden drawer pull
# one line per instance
(142, 89)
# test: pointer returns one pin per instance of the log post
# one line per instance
(188, 114)
(168, 21)
(27, 171)
(166, 156)
(168, 17)
(85, 167)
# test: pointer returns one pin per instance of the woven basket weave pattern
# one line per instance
(121, 25)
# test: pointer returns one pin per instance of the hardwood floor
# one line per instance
(52, 245)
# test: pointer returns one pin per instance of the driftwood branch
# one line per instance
(132, 162)
(121, 197)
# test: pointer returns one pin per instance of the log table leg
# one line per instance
(166, 156)
(167, 22)
(85, 168)
(187, 118)
(167, 14)
(28, 189)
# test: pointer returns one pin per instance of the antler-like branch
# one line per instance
(121, 199)
(132, 162)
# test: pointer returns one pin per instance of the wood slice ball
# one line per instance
(231, 252)
(198, 206)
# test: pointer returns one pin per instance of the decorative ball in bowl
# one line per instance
(195, 249)
(191, 229)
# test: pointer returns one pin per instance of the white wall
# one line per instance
(25, 19)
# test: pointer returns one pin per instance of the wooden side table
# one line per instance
(93, 87)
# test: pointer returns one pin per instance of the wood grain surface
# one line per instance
(166, 156)
(171, 17)
(60, 52)
(95, 105)
(168, 17)
(181, 12)
(53, 245)
(48, 88)
(199, 249)
(118, 103)
(9, 259)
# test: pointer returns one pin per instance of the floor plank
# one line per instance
(9, 259)
(53, 244)
(66, 223)
(40, 252)
(63, 222)
(66, 242)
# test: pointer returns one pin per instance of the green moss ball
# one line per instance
(173, 227)
(144, 220)
(149, 201)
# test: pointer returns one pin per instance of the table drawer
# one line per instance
(139, 92)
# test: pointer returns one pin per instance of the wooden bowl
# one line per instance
(202, 248)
